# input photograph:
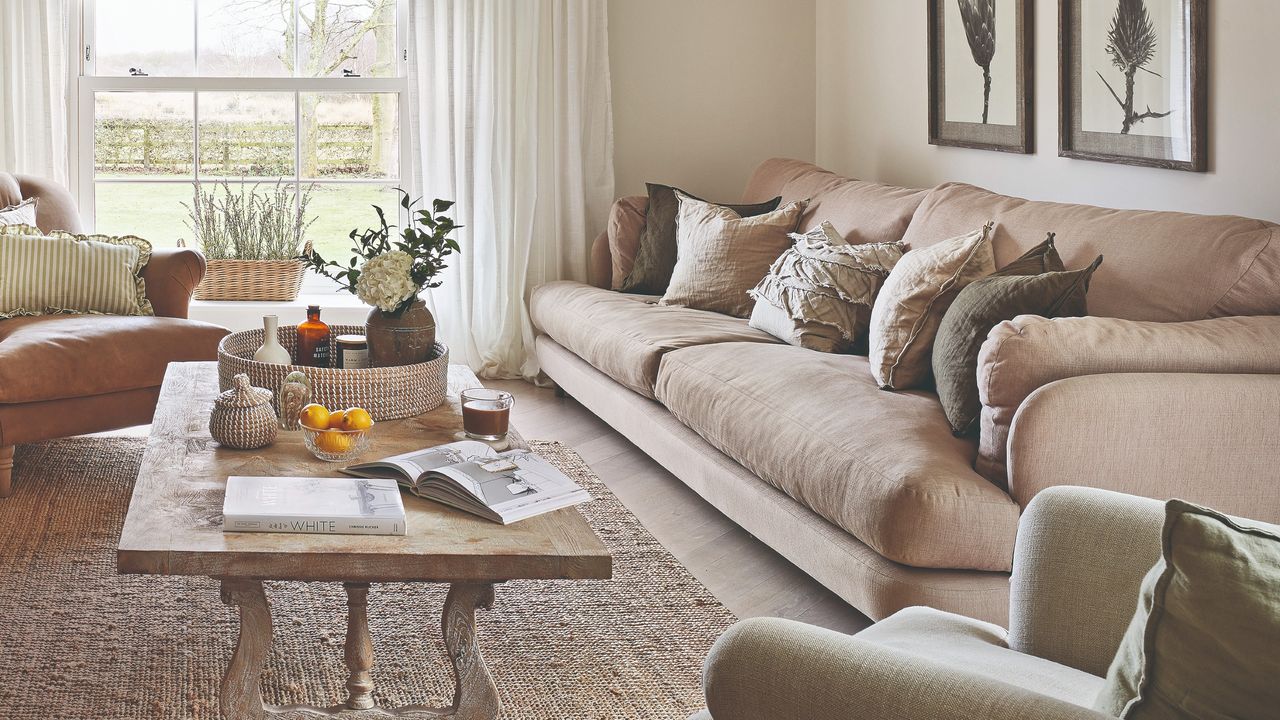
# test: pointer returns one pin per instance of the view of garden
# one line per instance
(342, 147)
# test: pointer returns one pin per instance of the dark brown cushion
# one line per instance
(981, 306)
(656, 257)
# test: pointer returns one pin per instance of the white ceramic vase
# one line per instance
(272, 351)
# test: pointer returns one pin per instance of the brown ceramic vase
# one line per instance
(401, 338)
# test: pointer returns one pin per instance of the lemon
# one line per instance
(314, 416)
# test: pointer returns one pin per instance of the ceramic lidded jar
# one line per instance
(243, 417)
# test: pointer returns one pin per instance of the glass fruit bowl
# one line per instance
(336, 445)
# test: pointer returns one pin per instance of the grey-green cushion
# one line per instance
(656, 256)
(981, 306)
(1205, 640)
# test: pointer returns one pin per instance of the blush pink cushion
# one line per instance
(626, 222)
(1160, 265)
(1028, 352)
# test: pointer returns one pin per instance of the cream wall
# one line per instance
(703, 90)
(872, 106)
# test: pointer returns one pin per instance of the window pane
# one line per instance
(246, 134)
(336, 210)
(246, 38)
(143, 134)
(152, 211)
(350, 135)
(156, 36)
(355, 35)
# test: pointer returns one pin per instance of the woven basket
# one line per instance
(268, 280)
(388, 393)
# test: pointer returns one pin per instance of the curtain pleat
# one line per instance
(36, 65)
(511, 118)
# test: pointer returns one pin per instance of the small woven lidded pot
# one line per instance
(243, 417)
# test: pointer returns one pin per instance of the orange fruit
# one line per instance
(314, 416)
(335, 420)
(356, 418)
(332, 441)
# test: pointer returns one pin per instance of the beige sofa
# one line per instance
(1168, 391)
(1080, 559)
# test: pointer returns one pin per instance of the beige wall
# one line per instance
(703, 90)
(872, 105)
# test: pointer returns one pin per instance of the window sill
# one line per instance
(335, 309)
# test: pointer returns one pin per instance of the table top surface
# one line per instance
(174, 522)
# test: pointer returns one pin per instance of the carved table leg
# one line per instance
(475, 695)
(359, 648)
(6, 471)
(241, 697)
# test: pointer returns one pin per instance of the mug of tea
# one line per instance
(486, 414)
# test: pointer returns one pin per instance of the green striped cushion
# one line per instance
(55, 273)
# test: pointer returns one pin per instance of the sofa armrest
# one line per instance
(1079, 561)
(767, 668)
(1029, 352)
(171, 277)
(1208, 439)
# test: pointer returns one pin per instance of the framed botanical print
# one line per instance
(980, 74)
(1133, 82)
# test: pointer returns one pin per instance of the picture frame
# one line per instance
(982, 74)
(1133, 82)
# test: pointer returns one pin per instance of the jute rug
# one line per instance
(78, 641)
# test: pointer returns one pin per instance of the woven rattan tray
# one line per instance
(388, 393)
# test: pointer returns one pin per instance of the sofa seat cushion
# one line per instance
(981, 648)
(68, 356)
(625, 336)
(884, 466)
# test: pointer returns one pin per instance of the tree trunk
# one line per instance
(383, 66)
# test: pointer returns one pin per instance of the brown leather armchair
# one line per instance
(66, 375)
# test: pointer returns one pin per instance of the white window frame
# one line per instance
(84, 180)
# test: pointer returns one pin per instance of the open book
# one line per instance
(504, 487)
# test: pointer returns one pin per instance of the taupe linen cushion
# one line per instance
(914, 298)
(818, 294)
(724, 255)
(980, 307)
(883, 466)
(626, 224)
(655, 259)
(625, 336)
(1029, 352)
(24, 213)
(1204, 641)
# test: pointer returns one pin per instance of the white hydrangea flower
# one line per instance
(385, 282)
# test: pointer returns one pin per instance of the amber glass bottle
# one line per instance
(313, 340)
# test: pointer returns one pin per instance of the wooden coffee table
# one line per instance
(174, 527)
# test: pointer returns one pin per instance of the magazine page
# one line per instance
(416, 463)
(516, 484)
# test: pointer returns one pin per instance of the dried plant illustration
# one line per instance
(1131, 43)
(979, 18)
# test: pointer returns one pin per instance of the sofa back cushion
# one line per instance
(1161, 266)
(863, 212)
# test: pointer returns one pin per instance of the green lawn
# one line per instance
(154, 212)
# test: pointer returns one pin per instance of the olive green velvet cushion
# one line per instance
(986, 303)
(1205, 640)
(656, 256)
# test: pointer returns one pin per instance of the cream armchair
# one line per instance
(1081, 555)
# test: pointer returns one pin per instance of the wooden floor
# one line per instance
(749, 578)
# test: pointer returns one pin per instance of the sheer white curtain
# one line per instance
(511, 119)
(36, 62)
